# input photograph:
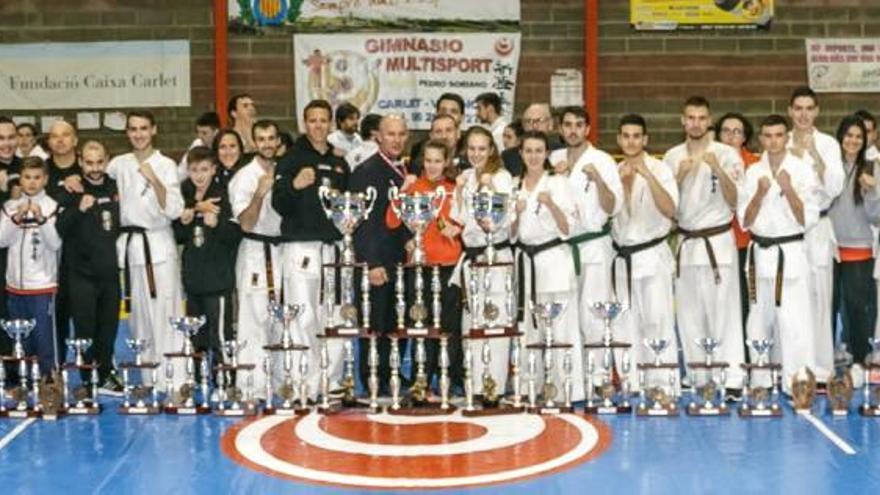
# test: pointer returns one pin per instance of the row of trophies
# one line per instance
(418, 318)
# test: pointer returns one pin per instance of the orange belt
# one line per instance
(849, 254)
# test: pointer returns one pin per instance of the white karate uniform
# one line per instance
(650, 313)
(37, 150)
(139, 207)
(254, 322)
(790, 324)
(497, 130)
(594, 282)
(555, 280)
(705, 308)
(472, 235)
(821, 249)
(360, 153)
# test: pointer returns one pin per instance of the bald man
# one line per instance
(378, 245)
(536, 117)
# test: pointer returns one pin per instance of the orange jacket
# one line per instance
(742, 236)
(439, 249)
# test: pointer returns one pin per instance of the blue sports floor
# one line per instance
(162, 454)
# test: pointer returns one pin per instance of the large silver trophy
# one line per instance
(347, 211)
(183, 400)
(86, 395)
(416, 211)
(871, 402)
(292, 388)
(546, 313)
(710, 380)
(139, 398)
(757, 400)
(658, 400)
(612, 398)
(25, 402)
(235, 400)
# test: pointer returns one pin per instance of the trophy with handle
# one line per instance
(658, 400)
(286, 350)
(758, 400)
(235, 400)
(182, 401)
(139, 398)
(603, 395)
(546, 313)
(86, 395)
(871, 393)
(25, 402)
(710, 380)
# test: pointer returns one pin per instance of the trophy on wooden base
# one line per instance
(139, 398)
(611, 399)
(25, 401)
(233, 399)
(658, 400)
(86, 395)
(760, 401)
(293, 391)
(840, 382)
(183, 400)
(710, 380)
(871, 400)
(546, 313)
(803, 390)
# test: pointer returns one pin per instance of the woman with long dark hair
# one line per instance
(853, 214)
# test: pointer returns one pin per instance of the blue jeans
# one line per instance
(41, 341)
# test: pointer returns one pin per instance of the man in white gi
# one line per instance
(258, 267)
(598, 195)
(820, 152)
(149, 201)
(643, 269)
(489, 114)
(707, 283)
(778, 205)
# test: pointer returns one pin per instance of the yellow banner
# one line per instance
(695, 14)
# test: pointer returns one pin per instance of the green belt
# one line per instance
(576, 241)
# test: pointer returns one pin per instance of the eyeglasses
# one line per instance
(731, 132)
(539, 120)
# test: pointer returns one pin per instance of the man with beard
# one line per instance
(820, 152)
(257, 268)
(89, 227)
(149, 201)
(443, 128)
(346, 138)
(381, 247)
(598, 195)
(489, 114)
(707, 286)
(310, 238)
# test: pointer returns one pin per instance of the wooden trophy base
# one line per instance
(21, 414)
(286, 411)
(499, 410)
(493, 332)
(87, 409)
(341, 332)
(52, 416)
(765, 412)
(428, 408)
(838, 413)
(603, 410)
(695, 409)
(238, 412)
(670, 411)
(549, 410)
(187, 411)
(870, 411)
(145, 410)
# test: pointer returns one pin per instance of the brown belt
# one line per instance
(704, 234)
(766, 242)
(148, 264)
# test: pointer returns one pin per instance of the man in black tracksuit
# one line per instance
(89, 226)
(9, 172)
(210, 242)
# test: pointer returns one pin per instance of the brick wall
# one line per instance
(644, 72)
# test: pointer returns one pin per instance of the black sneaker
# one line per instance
(112, 386)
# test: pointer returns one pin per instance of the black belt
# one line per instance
(148, 264)
(472, 253)
(625, 253)
(530, 250)
(766, 242)
(577, 240)
(704, 234)
(824, 213)
(267, 241)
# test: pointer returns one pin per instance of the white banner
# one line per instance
(116, 74)
(340, 12)
(844, 65)
(406, 72)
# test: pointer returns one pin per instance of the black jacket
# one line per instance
(374, 242)
(303, 217)
(210, 267)
(55, 186)
(89, 248)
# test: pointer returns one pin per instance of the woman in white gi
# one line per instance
(487, 174)
(546, 214)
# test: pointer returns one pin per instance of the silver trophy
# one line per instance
(284, 314)
(86, 395)
(26, 402)
(417, 211)
(546, 313)
(139, 398)
(611, 400)
(183, 400)
(710, 380)
(233, 399)
(658, 400)
(871, 402)
(490, 210)
(760, 401)
(347, 210)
